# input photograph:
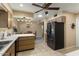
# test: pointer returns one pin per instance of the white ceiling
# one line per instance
(28, 7)
(70, 7)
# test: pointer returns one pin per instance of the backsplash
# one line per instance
(3, 29)
(6, 31)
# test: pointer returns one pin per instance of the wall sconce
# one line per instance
(73, 26)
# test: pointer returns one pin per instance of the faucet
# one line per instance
(2, 37)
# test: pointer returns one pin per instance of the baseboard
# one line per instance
(67, 48)
(70, 47)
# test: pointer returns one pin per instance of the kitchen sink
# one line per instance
(4, 43)
(1, 47)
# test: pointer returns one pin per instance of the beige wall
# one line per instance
(70, 34)
(34, 27)
(19, 13)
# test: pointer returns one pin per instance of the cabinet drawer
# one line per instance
(25, 43)
(27, 38)
(26, 47)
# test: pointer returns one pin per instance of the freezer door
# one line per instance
(48, 31)
(52, 31)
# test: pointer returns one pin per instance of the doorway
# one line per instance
(40, 33)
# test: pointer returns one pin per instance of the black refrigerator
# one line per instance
(55, 35)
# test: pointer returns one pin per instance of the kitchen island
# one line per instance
(21, 41)
(25, 42)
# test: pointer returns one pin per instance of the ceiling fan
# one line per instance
(45, 7)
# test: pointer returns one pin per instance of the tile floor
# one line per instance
(67, 50)
(41, 49)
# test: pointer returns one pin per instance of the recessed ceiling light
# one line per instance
(39, 15)
(21, 5)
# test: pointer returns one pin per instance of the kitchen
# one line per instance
(23, 34)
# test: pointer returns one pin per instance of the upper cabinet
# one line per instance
(3, 19)
(6, 16)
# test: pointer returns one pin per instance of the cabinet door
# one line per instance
(17, 45)
(3, 19)
(7, 54)
(10, 51)
(25, 47)
(24, 43)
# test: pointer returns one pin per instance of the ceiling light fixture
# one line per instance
(46, 12)
(21, 5)
(39, 15)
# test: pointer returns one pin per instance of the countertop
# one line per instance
(22, 35)
(12, 38)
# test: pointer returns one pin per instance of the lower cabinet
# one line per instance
(10, 51)
(25, 43)
(21, 44)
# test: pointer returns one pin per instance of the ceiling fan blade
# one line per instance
(53, 8)
(38, 11)
(37, 5)
(46, 5)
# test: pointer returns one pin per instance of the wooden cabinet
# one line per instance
(3, 19)
(13, 50)
(7, 53)
(24, 43)
(10, 51)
